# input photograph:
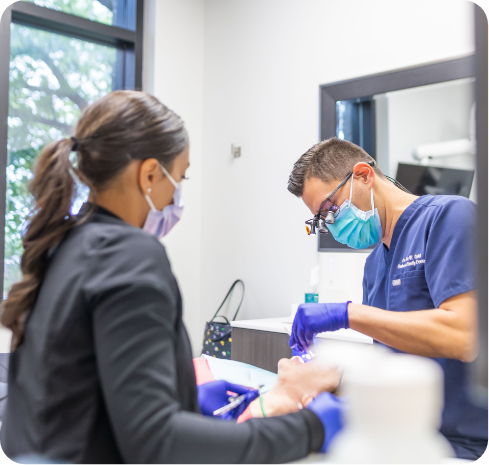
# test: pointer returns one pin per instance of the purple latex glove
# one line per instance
(304, 356)
(329, 409)
(313, 318)
(215, 395)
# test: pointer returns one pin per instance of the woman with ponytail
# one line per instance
(101, 366)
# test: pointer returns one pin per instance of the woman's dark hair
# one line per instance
(330, 160)
(118, 128)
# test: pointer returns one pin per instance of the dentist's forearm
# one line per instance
(430, 333)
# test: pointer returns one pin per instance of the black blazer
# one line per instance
(105, 374)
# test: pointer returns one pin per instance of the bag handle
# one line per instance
(221, 316)
(227, 295)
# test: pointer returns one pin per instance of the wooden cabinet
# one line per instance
(262, 349)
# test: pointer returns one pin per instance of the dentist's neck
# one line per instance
(391, 202)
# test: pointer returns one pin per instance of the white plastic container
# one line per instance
(394, 410)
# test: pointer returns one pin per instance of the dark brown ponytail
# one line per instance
(52, 188)
(118, 128)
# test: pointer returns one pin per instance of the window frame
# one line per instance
(129, 42)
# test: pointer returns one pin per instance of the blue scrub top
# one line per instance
(430, 260)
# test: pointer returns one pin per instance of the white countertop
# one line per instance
(277, 325)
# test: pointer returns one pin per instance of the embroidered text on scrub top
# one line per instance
(411, 261)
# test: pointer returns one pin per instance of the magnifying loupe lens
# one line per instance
(322, 227)
(329, 218)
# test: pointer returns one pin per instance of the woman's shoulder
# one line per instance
(118, 251)
(114, 237)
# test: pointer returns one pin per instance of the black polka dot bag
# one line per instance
(218, 336)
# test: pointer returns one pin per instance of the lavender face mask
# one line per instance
(159, 222)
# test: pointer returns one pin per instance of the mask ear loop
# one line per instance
(371, 193)
(169, 176)
(146, 196)
(351, 187)
(150, 202)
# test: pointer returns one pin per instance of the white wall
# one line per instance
(263, 61)
(341, 276)
(173, 66)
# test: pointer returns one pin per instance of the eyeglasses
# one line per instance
(327, 210)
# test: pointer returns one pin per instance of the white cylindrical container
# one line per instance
(394, 411)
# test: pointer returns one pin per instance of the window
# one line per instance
(121, 13)
(52, 76)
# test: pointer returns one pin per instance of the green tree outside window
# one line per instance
(101, 11)
(52, 78)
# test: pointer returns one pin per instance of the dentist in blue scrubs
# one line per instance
(419, 285)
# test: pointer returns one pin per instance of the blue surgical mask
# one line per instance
(354, 227)
(159, 222)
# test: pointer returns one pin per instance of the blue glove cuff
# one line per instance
(314, 318)
(347, 321)
(340, 316)
(329, 410)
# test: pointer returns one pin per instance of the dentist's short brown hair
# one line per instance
(330, 160)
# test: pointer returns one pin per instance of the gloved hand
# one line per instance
(329, 409)
(304, 357)
(215, 395)
(313, 318)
